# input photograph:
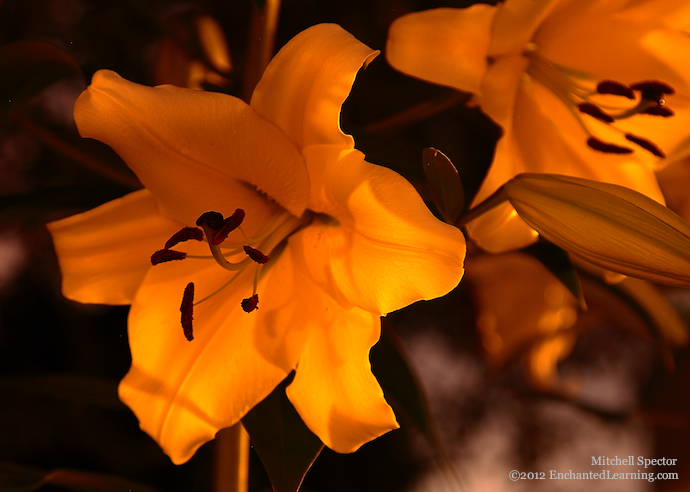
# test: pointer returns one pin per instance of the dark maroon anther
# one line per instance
(228, 225)
(163, 255)
(185, 234)
(615, 88)
(609, 148)
(645, 144)
(256, 255)
(596, 112)
(658, 111)
(187, 310)
(653, 90)
(653, 85)
(212, 219)
(251, 303)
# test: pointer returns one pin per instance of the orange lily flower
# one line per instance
(327, 244)
(594, 89)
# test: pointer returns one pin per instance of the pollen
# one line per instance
(187, 311)
(606, 147)
(185, 234)
(256, 255)
(251, 303)
(163, 255)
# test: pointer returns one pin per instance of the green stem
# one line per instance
(232, 460)
(487, 205)
(419, 112)
(262, 37)
(52, 140)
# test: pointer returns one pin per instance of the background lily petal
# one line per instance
(191, 148)
(413, 42)
(328, 57)
(334, 390)
(387, 250)
(234, 361)
(105, 253)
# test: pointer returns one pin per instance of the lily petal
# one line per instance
(306, 83)
(104, 253)
(184, 392)
(414, 40)
(334, 390)
(191, 148)
(515, 23)
(377, 246)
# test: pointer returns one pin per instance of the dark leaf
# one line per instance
(393, 369)
(557, 262)
(14, 478)
(444, 184)
(28, 67)
(286, 446)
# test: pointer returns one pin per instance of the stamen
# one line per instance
(662, 111)
(187, 310)
(609, 148)
(256, 255)
(185, 234)
(615, 88)
(163, 255)
(596, 112)
(250, 304)
(645, 144)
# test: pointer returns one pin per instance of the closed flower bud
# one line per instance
(608, 225)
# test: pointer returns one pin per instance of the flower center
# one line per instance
(581, 92)
(257, 248)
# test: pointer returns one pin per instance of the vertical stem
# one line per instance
(262, 37)
(232, 460)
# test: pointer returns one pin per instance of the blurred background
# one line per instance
(498, 406)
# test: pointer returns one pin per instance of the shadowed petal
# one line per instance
(444, 46)
(515, 24)
(334, 390)
(184, 392)
(194, 151)
(379, 247)
(105, 253)
(306, 83)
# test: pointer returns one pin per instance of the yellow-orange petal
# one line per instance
(195, 151)
(516, 22)
(443, 46)
(105, 253)
(184, 392)
(377, 246)
(305, 85)
(334, 390)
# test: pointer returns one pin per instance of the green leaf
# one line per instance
(394, 371)
(444, 183)
(556, 260)
(15, 478)
(286, 446)
(28, 67)
(84, 390)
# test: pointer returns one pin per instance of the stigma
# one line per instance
(606, 101)
(237, 257)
